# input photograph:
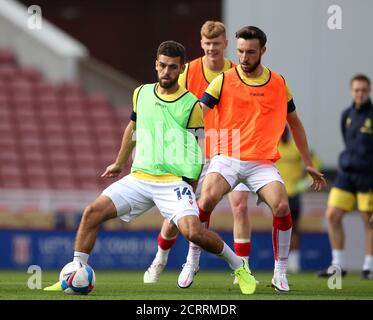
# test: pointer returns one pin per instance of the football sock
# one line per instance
(228, 255)
(281, 235)
(338, 258)
(194, 252)
(81, 257)
(164, 246)
(368, 263)
(242, 248)
(294, 259)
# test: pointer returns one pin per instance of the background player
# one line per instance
(355, 176)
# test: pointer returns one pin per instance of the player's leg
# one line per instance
(365, 206)
(166, 239)
(294, 255)
(275, 196)
(192, 229)
(339, 203)
(213, 189)
(176, 202)
(117, 200)
(238, 199)
(241, 222)
(367, 270)
(336, 235)
(94, 215)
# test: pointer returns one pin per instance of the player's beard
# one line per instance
(252, 68)
(168, 84)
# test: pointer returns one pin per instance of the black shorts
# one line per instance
(353, 182)
(295, 208)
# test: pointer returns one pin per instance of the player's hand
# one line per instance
(371, 221)
(112, 171)
(319, 181)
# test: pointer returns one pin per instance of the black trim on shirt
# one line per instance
(133, 116)
(257, 86)
(203, 71)
(208, 100)
(138, 93)
(190, 114)
(155, 92)
(291, 106)
(186, 75)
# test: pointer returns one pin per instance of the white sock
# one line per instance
(294, 260)
(368, 263)
(228, 255)
(283, 245)
(194, 254)
(162, 255)
(338, 258)
(81, 257)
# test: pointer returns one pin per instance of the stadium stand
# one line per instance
(54, 136)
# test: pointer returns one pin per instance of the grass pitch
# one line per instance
(114, 285)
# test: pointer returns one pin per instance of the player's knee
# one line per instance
(333, 216)
(281, 209)
(208, 201)
(194, 235)
(91, 216)
(240, 210)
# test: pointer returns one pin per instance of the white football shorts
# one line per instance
(132, 197)
(253, 174)
(239, 187)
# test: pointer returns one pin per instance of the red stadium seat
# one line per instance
(45, 88)
(7, 72)
(21, 87)
(7, 57)
(70, 87)
(11, 155)
(60, 156)
(65, 183)
(11, 176)
(33, 157)
(55, 135)
(30, 73)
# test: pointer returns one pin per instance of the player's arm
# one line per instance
(212, 94)
(125, 151)
(196, 126)
(127, 144)
(300, 140)
(343, 125)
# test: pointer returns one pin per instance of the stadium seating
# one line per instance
(54, 136)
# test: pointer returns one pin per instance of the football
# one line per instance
(77, 278)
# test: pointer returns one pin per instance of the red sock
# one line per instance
(281, 235)
(242, 249)
(165, 244)
(204, 217)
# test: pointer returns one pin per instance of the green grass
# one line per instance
(207, 285)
